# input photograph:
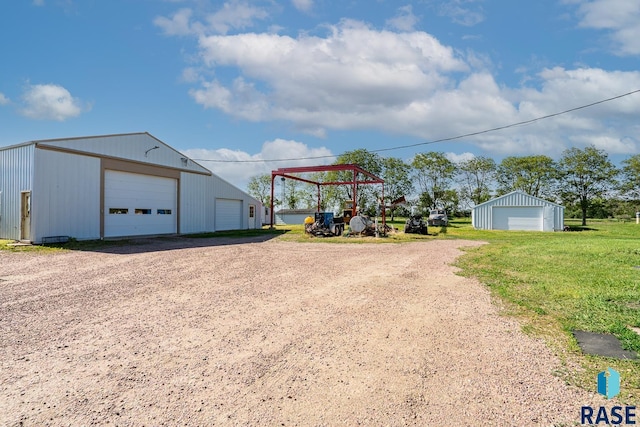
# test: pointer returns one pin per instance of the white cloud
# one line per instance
(238, 173)
(50, 102)
(303, 5)
(459, 158)
(351, 79)
(405, 20)
(620, 17)
(38, 2)
(178, 25)
(3, 99)
(233, 15)
(463, 12)
(356, 77)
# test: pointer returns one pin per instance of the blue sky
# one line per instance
(273, 79)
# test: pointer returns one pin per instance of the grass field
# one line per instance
(558, 282)
(587, 279)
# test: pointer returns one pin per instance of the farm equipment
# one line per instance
(324, 225)
(416, 225)
(364, 226)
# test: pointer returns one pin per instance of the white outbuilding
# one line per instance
(518, 211)
(113, 186)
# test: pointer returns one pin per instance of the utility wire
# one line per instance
(452, 138)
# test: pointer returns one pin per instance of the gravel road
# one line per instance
(266, 332)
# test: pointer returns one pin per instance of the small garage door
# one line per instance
(136, 204)
(228, 214)
(528, 218)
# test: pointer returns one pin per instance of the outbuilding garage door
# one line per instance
(136, 204)
(228, 214)
(528, 218)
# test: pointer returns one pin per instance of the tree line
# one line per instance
(583, 180)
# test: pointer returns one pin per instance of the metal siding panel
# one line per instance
(223, 189)
(66, 196)
(482, 217)
(16, 175)
(549, 218)
(193, 203)
(129, 146)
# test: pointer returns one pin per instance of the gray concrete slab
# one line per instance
(605, 345)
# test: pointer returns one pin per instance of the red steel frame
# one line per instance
(368, 178)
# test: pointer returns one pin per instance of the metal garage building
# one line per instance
(113, 186)
(518, 211)
(293, 216)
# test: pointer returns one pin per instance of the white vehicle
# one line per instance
(438, 217)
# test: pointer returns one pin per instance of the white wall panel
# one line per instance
(66, 196)
(194, 203)
(16, 175)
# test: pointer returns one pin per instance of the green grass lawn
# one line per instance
(552, 282)
(558, 282)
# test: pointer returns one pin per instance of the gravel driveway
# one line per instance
(249, 332)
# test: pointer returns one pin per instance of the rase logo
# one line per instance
(609, 386)
(609, 383)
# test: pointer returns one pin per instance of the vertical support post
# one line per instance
(355, 195)
(273, 177)
(318, 185)
(384, 210)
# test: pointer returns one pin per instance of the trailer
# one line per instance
(324, 224)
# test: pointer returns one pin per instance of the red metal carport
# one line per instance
(360, 176)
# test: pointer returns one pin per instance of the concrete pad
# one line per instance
(605, 345)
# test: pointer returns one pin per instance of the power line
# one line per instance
(452, 138)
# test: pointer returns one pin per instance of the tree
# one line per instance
(585, 175)
(397, 180)
(309, 192)
(451, 202)
(476, 177)
(434, 174)
(630, 184)
(367, 194)
(259, 186)
(293, 194)
(535, 175)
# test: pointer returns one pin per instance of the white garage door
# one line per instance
(527, 218)
(228, 214)
(137, 204)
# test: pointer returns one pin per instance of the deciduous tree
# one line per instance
(259, 186)
(434, 174)
(397, 180)
(367, 194)
(476, 177)
(535, 175)
(630, 183)
(585, 174)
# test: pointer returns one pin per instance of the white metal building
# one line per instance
(293, 216)
(518, 211)
(113, 186)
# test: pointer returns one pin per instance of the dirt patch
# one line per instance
(205, 332)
